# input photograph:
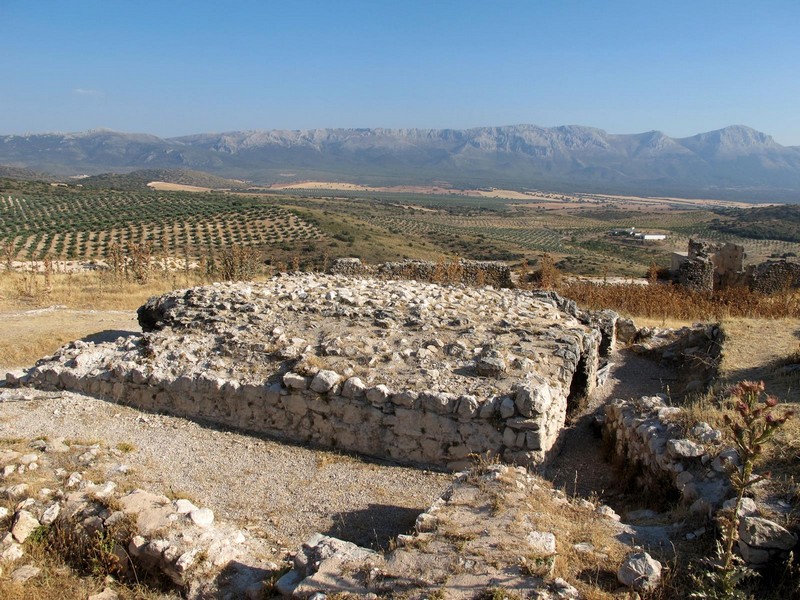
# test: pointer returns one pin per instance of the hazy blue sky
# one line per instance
(179, 67)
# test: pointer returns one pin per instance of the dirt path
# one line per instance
(581, 469)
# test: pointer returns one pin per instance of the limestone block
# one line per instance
(507, 408)
(640, 571)
(296, 404)
(406, 399)
(24, 525)
(533, 399)
(683, 448)
(293, 381)
(467, 407)
(324, 381)
(442, 403)
(354, 388)
(378, 395)
(757, 532)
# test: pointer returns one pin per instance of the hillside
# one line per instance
(769, 222)
(734, 162)
(22, 173)
(138, 180)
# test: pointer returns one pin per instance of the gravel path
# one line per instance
(285, 491)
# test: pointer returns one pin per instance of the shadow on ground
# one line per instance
(375, 526)
(108, 335)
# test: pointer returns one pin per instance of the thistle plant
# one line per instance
(752, 424)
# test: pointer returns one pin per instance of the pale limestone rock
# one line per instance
(541, 543)
(202, 517)
(106, 594)
(27, 459)
(685, 448)
(51, 514)
(184, 507)
(640, 571)
(24, 525)
(12, 552)
(24, 573)
(324, 381)
(17, 491)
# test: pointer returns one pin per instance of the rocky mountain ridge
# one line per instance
(736, 160)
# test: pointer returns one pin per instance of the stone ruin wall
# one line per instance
(434, 429)
(518, 418)
(708, 267)
(463, 271)
(775, 276)
(662, 455)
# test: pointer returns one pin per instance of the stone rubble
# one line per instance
(417, 373)
(201, 557)
(485, 533)
(646, 435)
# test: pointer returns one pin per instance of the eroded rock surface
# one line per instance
(416, 372)
(498, 530)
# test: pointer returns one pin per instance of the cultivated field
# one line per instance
(313, 222)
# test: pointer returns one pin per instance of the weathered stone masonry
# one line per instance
(418, 373)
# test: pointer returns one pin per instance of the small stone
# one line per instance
(489, 366)
(17, 491)
(563, 590)
(541, 543)
(378, 395)
(106, 594)
(353, 388)
(607, 512)
(685, 449)
(202, 517)
(23, 574)
(765, 534)
(184, 507)
(706, 434)
(13, 552)
(74, 480)
(507, 408)
(295, 381)
(640, 571)
(24, 525)
(51, 514)
(102, 491)
(27, 459)
(324, 381)
(747, 508)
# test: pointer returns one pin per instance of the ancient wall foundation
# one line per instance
(468, 272)
(646, 436)
(418, 373)
(775, 276)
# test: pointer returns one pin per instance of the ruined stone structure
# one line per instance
(706, 267)
(647, 435)
(468, 272)
(418, 373)
(701, 269)
(775, 276)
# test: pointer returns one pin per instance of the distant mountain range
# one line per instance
(734, 162)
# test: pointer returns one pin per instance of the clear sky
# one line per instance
(173, 67)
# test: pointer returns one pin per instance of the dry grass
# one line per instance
(98, 290)
(40, 312)
(671, 302)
